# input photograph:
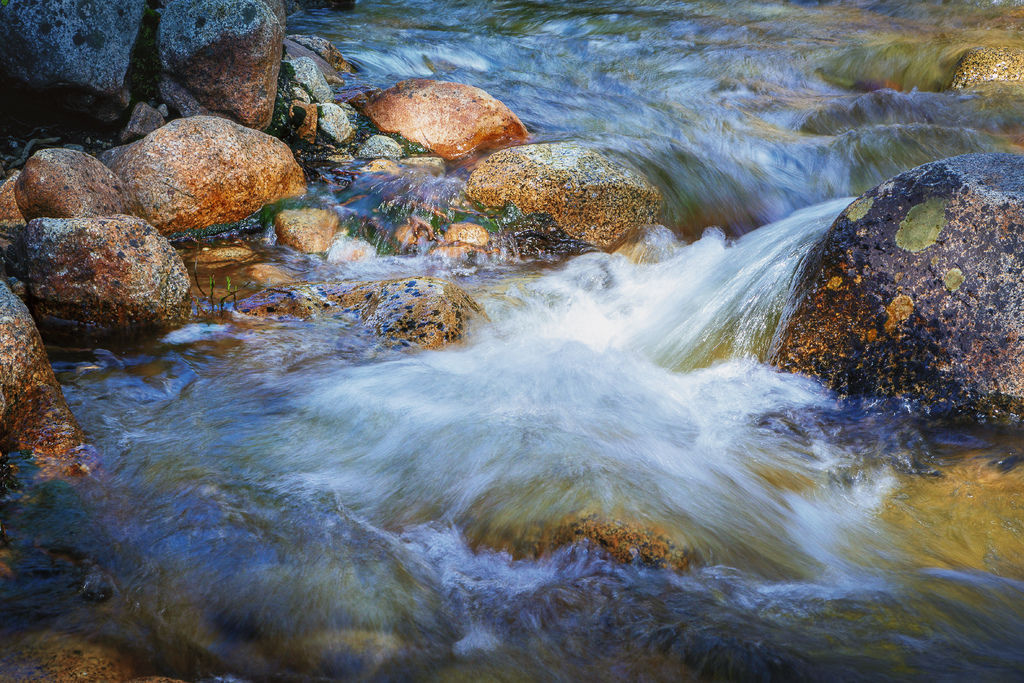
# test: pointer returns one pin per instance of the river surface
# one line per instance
(297, 501)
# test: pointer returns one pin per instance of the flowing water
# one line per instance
(298, 501)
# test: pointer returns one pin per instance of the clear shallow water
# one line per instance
(296, 501)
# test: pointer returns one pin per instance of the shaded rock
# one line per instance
(293, 50)
(71, 52)
(450, 119)
(310, 79)
(916, 290)
(102, 275)
(587, 196)
(304, 120)
(203, 171)
(267, 274)
(144, 120)
(334, 123)
(63, 183)
(324, 49)
(59, 657)
(379, 147)
(467, 233)
(988, 64)
(307, 230)
(33, 413)
(628, 543)
(224, 55)
(10, 214)
(423, 311)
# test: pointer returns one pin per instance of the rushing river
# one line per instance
(293, 501)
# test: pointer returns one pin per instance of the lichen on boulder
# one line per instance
(916, 291)
(989, 65)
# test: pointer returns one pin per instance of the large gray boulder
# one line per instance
(221, 57)
(74, 52)
(916, 291)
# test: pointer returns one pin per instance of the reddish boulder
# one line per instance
(63, 183)
(450, 119)
(101, 275)
(307, 230)
(10, 214)
(203, 171)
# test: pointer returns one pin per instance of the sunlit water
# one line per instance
(297, 500)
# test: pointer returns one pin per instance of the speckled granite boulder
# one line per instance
(307, 230)
(101, 275)
(450, 119)
(222, 57)
(74, 54)
(379, 147)
(59, 657)
(310, 79)
(917, 291)
(205, 170)
(588, 196)
(63, 183)
(10, 214)
(423, 311)
(323, 49)
(33, 413)
(988, 64)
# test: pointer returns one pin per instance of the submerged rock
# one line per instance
(450, 119)
(33, 413)
(59, 657)
(203, 171)
(221, 56)
(424, 311)
(916, 291)
(72, 53)
(63, 183)
(625, 542)
(307, 230)
(587, 196)
(989, 64)
(101, 275)
(467, 233)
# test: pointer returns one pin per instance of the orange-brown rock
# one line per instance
(624, 542)
(456, 251)
(307, 230)
(414, 233)
(467, 233)
(64, 183)
(61, 658)
(450, 119)
(101, 275)
(10, 214)
(427, 312)
(267, 274)
(33, 413)
(586, 195)
(915, 291)
(221, 57)
(303, 116)
(203, 171)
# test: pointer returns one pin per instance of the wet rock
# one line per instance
(414, 233)
(222, 55)
(916, 290)
(307, 230)
(324, 49)
(144, 120)
(455, 252)
(309, 78)
(62, 183)
(432, 165)
(989, 64)
(71, 53)
(101, 275)
(33, 413)
(219, 257)
(10, 214)
(389, 166)
(267, 274)
(424, 311)
(587, 196)
(379, 147)
(334, 123)
(304, 119)
(349, 249)
(625, 542)
(59, 657)
(293, 50)
(467, 233)
(203, 171)
(450, 119)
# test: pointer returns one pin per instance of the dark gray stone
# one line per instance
(74, 51)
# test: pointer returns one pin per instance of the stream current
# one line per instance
(297, 501)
